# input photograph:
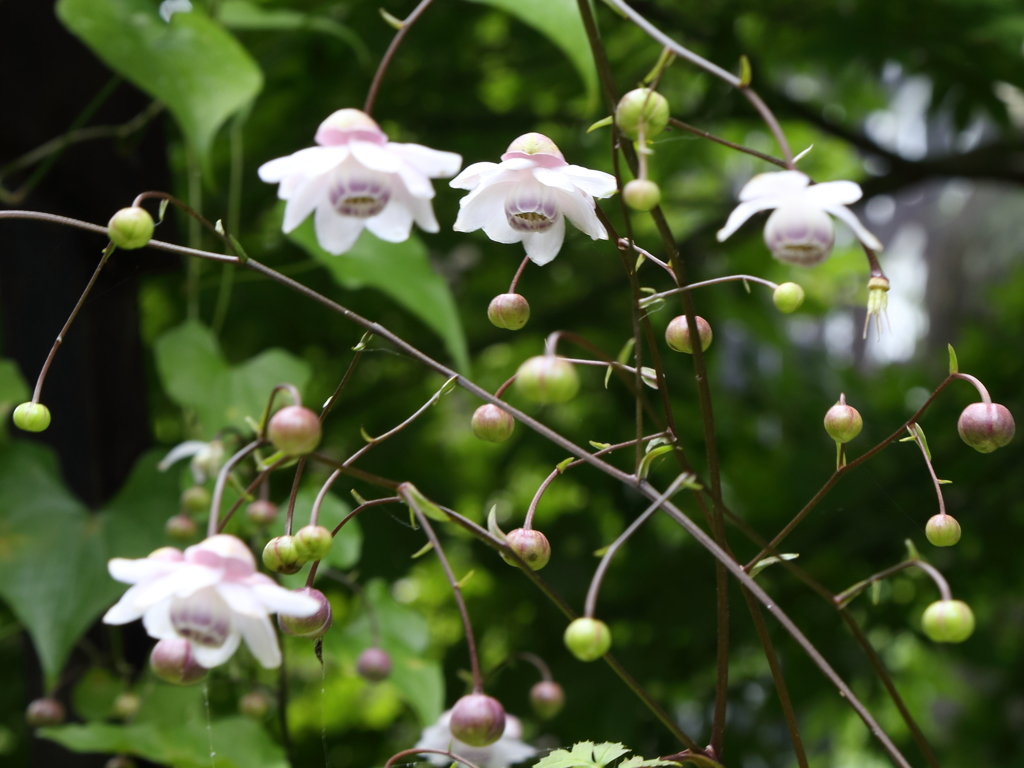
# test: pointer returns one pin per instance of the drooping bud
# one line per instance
(126, 705)
(547, 379)
(788, 297)
(313, 542)
(547, 699)
(677, 335)
(282, 556)
(509, 310)
(477, 720)
(171, 660)
(261, 512)
(843, 422)
(641, 194)
(642, 105)
(254, 704)
(43, 712)
(130, 228)
(32, 417)
(799, 234)
(181, 527)
(986, 426)
(492, 424)
(294, 430)
(942, 530)
(532, 547)
(588, 639)
(374, 664)
(308, 626)
(119, 761)
(195, 500)
(948, 621)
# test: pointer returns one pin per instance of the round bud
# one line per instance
(32, 417)
(308, 626)
(294, 430)
(195, 500)
(282, 556)
(374, 664)
(261, 512)
(948, 621)
(641, 194)
(547, 699)
(171, 660)
(942, 531)
(43, 712)
(477, 720)
(508, 310)
(181, 527)
(126, 705)
(119, 761)
(788, 297)
(254, 704)
(130, 228)
(677, 335)
(531, 546)
(799, 234)
(588, 639)
(547, 379)
(843, 422)
(313, 542)
(985, 426)
(492, 424)
(642, 105)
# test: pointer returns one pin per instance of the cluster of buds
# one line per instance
(287, 554)
(641, 115)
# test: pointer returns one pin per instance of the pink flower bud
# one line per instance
(42, 712)
(171, 660)
(181, 527)
(261, 512)
(308, 626)
(254, 704)
(547, 379)
(477, 720)
(374, 664)
(843, 422)
(492, 424)
(282, 556)
(547, 699)
(509, 310)
(295, 430)
(532, 547)
(942, 531)
(677, 335)
(986, 426)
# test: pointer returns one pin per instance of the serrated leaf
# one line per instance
(649, 457)
(603, 122)
(954, 365)
(638, 762)
(492, 523)
(760, 565)
(608, 751)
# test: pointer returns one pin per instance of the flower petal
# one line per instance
(394, 223)
(542, 247)
(303, 201)
(240, 599)
(483, 206)
(415, 182)
(744, 211)
(183, 582)
(262, 640)
(774, 184)
(375, 157)
(144, 569)
(845, 214)
(157, 621)
(552, 177)
(578, 207)
(214, 657)
(433, 163)
(277, 599)
(423, 214)
(594, 183)
(179, 452)
(306, 162)
(473, 174)
(124, 610)
(336, 233)
(833, 193)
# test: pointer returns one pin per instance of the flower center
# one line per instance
(360, 197)
(203, 618)
(531, 208)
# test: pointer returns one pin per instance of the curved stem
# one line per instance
(389, 54)
(725, 143)
(703, 283)
(291, 389)
(982, 391)
(503, 387)
(422, 751)
(264, 492)
(913, 430)
(938, 578)
(518, 274)
(293, 495)
(157, 195)
(314, 516)
(222, 479)
(341, 385)
(536, 661)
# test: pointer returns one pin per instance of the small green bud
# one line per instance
(282, 556)
(492, 424)
(195, 500)
(126, 705)
(509, 310)
(843, 422)
(642, 105)
(547, 379)
(532, 547)
(32, 417)
(948, 621)
(788, 297)
(313, 542)
(641, 194)
(677, 335)
(130, 228)
(294, 430)
(588, 639)
(942, 531)
(983, 426)
(254, 704)
(181, 527)
(547, 699)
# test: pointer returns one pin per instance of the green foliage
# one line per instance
(13, 389)
(587, 754)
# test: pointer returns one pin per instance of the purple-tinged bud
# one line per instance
(313, 542)
(119, 761)
(171, 660)
(948, 621)
(308, 626)
(181, 527)
(492, 424)
(195, 500)
(294, 430)
(642, 105)
(534, 144)
(477, 720)
(942, 531)
(588, 639)
(508, 310)
(374, 664)
(261, 512)
(843, 422)
(986, 426)
(641, 194)
(788, 297)
(42, 712)
(532, 547)
(130, 228)
(32, 417)
(126, 705)
(254, 704)
(282, 556)
(677, 335)
(799, 234)
(547, 699)
(547, 379)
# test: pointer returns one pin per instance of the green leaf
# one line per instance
(584, 754)
(603, 122)
(954, 365)
(763, 563)
(649, 457)
(400, 270)
(638, 762)
(199, 70)
(94, 695)
(492, 524)
(195, 374)
(608, 751)
(53, 566)
(560, 22)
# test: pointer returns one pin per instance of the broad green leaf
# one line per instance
(54, 551)
(195, 374)
(403, 272)
(199, 70)
(245, 15)
(94, 695)
(560, 22)
(608, 751)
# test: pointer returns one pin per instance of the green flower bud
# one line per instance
(942, 531)
(677, 335)
(641, 194)
(126, 705)
(948, 621)
(282, 556)
(130, 228)
(547, 379)
(477, 720)
(492, 424)
(547, 699)
(843, 422)
(181, 527)
(32, 417)
(509, 310)
(294, 430)
(532, 547)
(788, 297)
(642, 105)
(195, 500)
(983, 426)
(313, 542)
(588, 639)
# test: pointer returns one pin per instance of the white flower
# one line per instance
(207, 458)
(799, 231)
(357, 178)
(506, 751)
(210, 595)
(527, 197)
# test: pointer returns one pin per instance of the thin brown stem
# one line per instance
(222, 479)
(293, 495)
(725, 143)
(648, 300)
(421, 751)
(913, 430)
(389, 54)
(518, 274)
(259, 481)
